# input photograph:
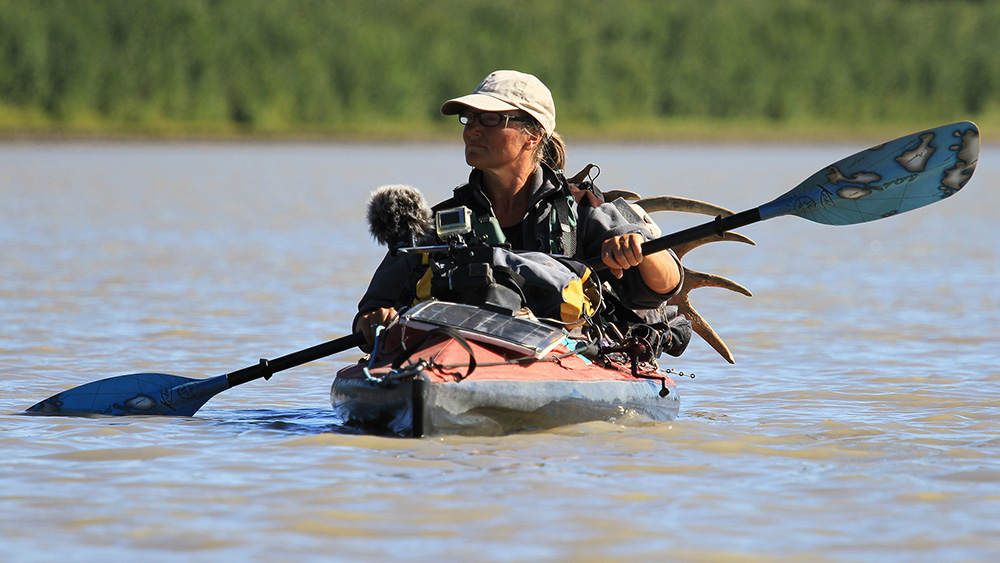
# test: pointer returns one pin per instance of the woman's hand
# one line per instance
(622, 252)
(659, 271)
(371, 320)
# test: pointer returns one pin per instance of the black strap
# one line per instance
(443, 331)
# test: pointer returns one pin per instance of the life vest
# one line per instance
(554, 231)
(548, 281)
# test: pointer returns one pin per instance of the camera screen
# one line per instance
(451, 218)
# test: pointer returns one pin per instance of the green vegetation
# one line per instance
(625, 68)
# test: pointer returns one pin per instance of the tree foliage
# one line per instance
(355, 66)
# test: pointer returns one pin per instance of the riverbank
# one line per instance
(638, 131)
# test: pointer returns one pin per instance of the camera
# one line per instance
(453, 222)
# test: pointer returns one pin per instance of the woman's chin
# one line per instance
(474, 158)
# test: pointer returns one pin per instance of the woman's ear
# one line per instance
(532, 138)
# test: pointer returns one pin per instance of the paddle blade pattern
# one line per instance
(135, 394)
(885, 180)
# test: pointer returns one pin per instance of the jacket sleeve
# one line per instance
(597, 224)
(393, 284)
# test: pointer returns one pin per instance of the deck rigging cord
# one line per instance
(635, 353)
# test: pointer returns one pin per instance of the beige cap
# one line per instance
(504, 90)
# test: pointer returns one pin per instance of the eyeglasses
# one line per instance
(489, 118)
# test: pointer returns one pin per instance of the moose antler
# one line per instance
(694, 279)
(612, 195)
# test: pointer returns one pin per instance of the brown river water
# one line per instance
(861, 421)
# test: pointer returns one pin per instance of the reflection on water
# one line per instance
(858, 422)
(303, 421)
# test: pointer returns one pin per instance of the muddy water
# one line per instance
(859, 423)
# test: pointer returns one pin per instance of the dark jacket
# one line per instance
(394, 282)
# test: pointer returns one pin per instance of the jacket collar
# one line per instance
(542, 183)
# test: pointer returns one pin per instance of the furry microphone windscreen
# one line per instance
(398, 214)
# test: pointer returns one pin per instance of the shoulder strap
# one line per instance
(563, 225)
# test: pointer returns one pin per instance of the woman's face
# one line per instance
(493, 148)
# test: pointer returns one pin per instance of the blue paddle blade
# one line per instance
(886, 180)
(137, 393)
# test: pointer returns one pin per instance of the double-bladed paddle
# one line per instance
(898, 176)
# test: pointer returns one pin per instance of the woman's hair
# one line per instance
(551, 151)
(554, 152)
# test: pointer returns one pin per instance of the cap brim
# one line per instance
(481, 102)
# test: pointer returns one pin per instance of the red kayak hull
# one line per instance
(498, 397)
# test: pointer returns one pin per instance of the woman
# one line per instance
(511, 143)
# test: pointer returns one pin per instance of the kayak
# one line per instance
(460, 369)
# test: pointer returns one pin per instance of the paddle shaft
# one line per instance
(713, 228)
(267, 368)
